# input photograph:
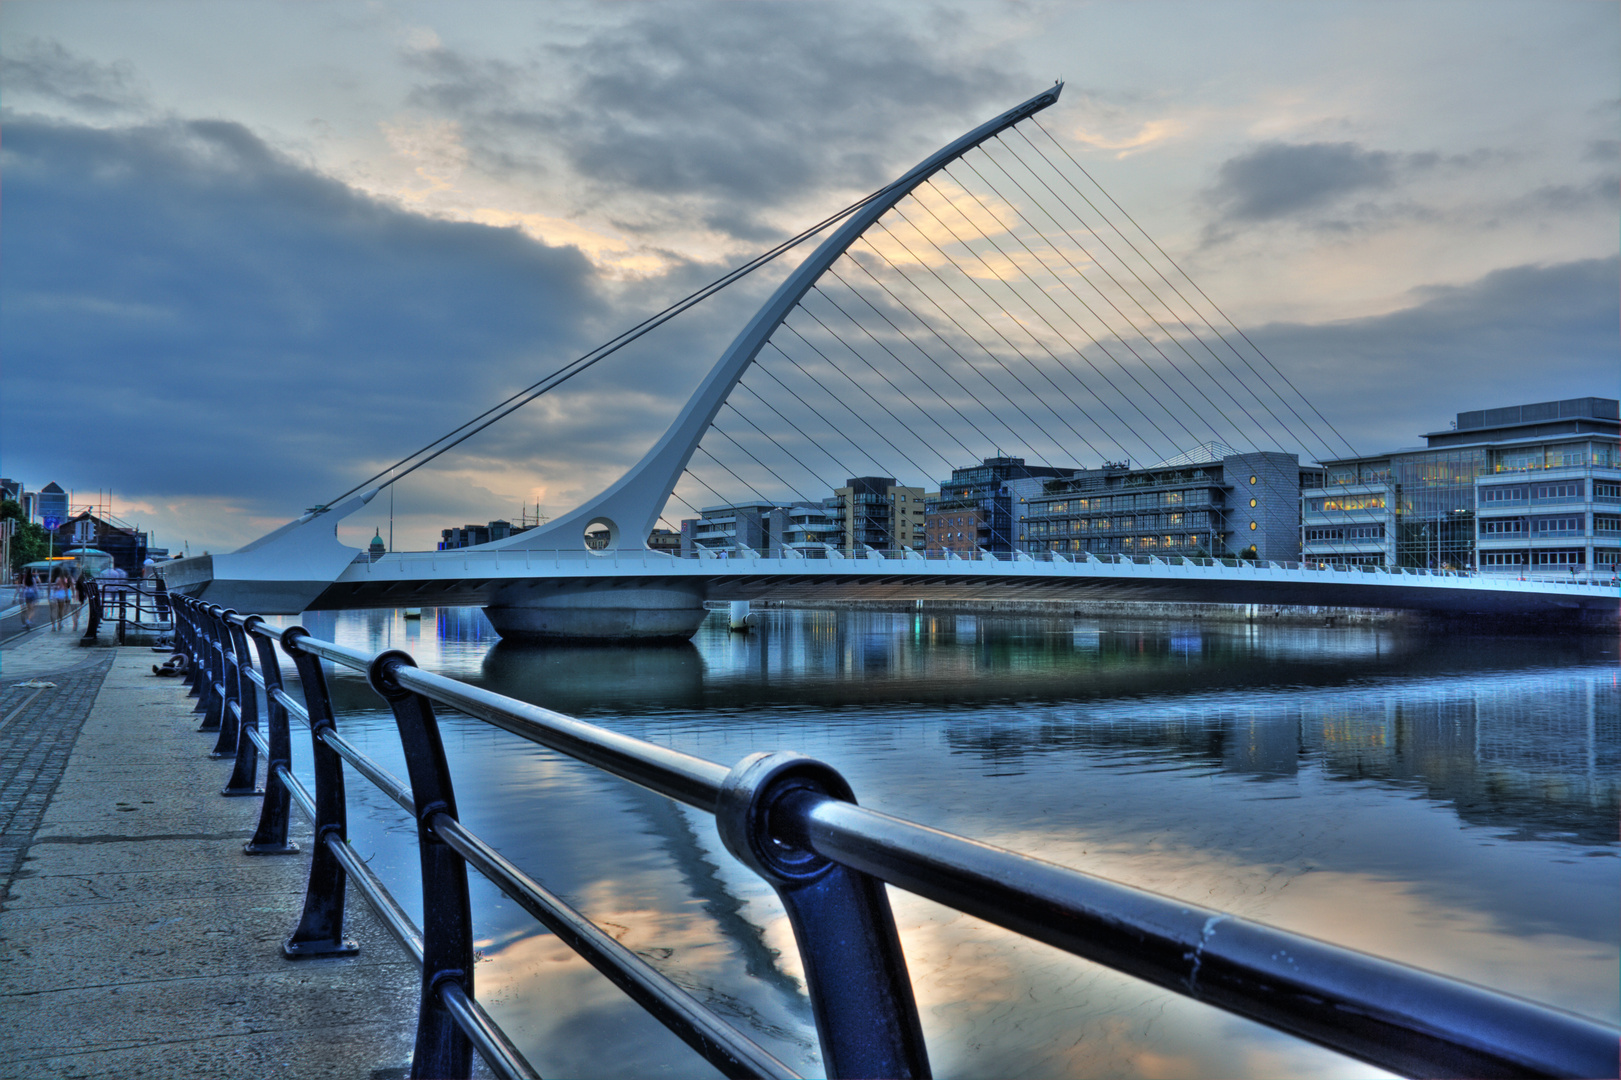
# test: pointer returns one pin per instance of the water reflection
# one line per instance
(1449, 802)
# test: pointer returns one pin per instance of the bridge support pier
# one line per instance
(738, 616)
(600, 611)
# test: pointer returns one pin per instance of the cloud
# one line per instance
(1521, 334)
(183, 309)
(722, 113)
(45, 70)
(1278, 179)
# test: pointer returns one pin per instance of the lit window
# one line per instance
(1252, 526)
(1252, 479)
(1252, 502)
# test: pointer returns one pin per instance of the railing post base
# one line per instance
(289, 848)
(239, 793)
(304, 950)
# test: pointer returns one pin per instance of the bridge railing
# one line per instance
(794, 821)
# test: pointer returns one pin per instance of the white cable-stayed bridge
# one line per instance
(993, 300)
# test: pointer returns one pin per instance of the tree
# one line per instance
(30, 542)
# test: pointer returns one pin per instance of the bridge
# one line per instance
(978, 302)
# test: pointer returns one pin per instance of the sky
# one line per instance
(251, 253)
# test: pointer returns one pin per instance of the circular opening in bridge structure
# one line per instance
(1252, 526)
(1252, 502)
(601, 534)
(1252, 479)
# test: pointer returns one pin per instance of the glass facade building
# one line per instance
(1445, 505)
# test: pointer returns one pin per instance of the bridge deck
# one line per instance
(479, 576)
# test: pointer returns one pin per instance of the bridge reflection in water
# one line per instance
(1448, 802)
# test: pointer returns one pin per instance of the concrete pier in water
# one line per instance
(136, 939)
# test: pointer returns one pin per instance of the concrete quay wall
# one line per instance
(136, 940)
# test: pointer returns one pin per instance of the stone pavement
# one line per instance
(135, 937)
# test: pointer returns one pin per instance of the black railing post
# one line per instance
(320, 927)
(212, 701)
(229, 688)
(245, 775)
(194, 648)
(270, 838)
(442, 1048)
(92, 624)
(861, 994)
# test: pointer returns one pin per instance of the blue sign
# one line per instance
(52, 522)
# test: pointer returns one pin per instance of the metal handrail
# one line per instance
(794, 821)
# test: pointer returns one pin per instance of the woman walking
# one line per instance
(28, 594)
(59, 598)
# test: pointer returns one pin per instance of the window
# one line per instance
(1556, 492)
(1606, 492)
(1349, 502)
(1499, 495)
(1502, 558)
(1567, 525)
(1252, 526)
(1252, 504)
(1557, 558)
(1252, 480)
(1502, 527)
(1606, 523)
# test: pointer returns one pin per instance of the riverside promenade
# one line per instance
(136, 939)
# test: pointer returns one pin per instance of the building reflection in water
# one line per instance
(1449, 802)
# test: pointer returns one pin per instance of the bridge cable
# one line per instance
(952, 319)
(715, 427)
(941, 367)
(1135, 329)
(894, 356)
(1003, 337)
(955, 351)
(1185, 276)
(818, 477)
(921, 470)
(1080, 352)
(1271, 486)
(606, 349)
(817, 289)
(793, 425)
(1234, 376)
(1019, 323)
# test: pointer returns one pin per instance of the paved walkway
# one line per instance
(136, 940)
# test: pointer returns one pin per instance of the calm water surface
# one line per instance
(1448, 802)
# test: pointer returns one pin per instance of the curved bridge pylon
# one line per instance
(629, 509)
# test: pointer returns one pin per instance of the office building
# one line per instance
(880, 514)
(1520, 489)
(1207, 503)
(980, 507)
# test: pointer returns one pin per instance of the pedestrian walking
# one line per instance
(59, 598)
(28, 596)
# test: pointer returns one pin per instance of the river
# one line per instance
(1450, 802)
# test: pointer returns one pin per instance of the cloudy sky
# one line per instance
(254, 252)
